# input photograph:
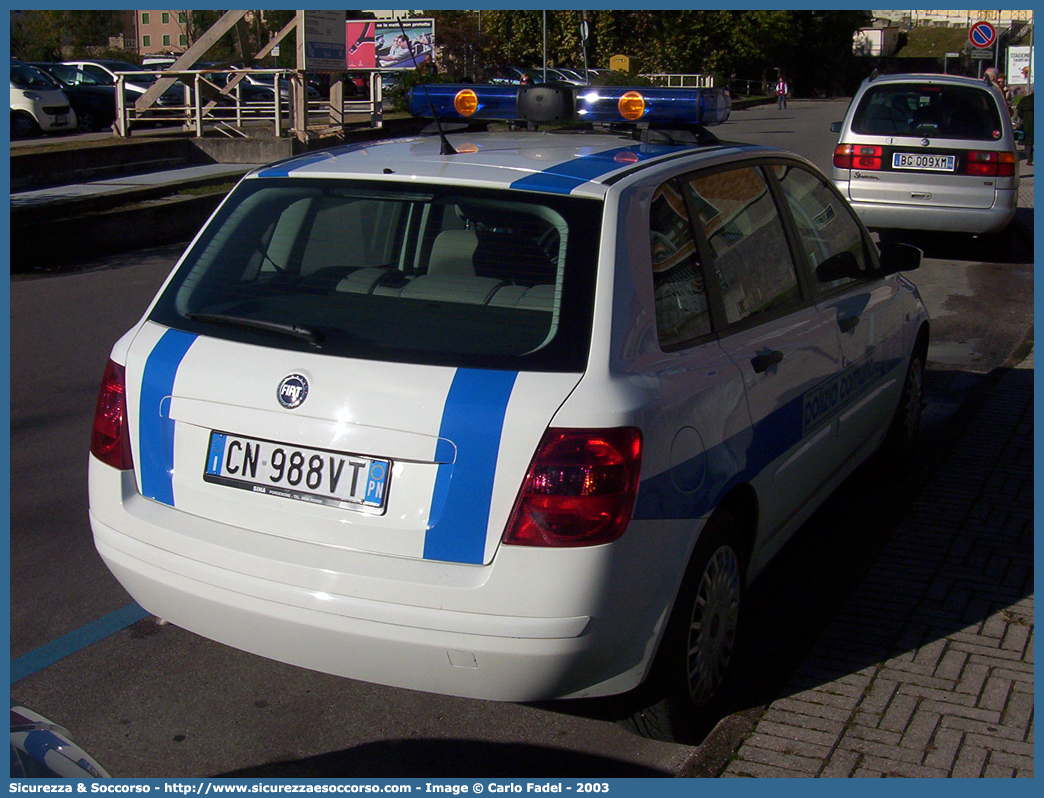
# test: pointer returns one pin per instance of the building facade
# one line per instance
(953, 19)
(155, 32)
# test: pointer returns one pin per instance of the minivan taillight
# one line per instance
(990, 164)
(110, 442)
(580, 488)
(857, 156)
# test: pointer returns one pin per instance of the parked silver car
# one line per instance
(928, 152)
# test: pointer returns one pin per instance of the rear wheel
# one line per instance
(692, 665)
(899, 440)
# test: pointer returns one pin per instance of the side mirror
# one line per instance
(838, 267)
(835, 127)
(1019, 135)
(896, 257)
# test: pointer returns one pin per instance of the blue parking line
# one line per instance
(50, 653)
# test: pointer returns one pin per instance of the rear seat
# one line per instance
(466, 289)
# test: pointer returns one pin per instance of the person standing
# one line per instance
(1026, 115)
(781, 92)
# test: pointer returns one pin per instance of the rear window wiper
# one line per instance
(279, 328)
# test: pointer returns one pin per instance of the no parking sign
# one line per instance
(982, 34)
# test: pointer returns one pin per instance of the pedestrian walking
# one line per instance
(781, 93)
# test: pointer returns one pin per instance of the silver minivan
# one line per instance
(928, 152)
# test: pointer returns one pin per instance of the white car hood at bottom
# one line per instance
(459, 440)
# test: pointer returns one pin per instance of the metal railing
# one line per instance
(746, 88)
(216, 99)
(687, 81)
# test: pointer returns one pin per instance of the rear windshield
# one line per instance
(934, 110)
(422, 274)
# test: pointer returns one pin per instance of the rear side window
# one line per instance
(426, 274)
(681, 300)
(825, 226)
(750, 257)
(934, 110)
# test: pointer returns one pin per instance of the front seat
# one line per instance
(452, 252)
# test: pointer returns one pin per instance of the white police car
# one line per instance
(513, 416)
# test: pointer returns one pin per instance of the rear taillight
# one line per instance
(580, 488)
(857, 156)
(990, 164)
(110, 442)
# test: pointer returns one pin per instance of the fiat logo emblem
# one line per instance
(292, 391)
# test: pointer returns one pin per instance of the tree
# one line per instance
(55, 35)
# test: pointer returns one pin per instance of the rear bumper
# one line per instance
(949, 219)
(455, 640)
(192, 596)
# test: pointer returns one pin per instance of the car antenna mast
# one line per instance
(446, 148)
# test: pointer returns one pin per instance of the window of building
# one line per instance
(183, 40)
(181, 17)
(165, 18)
(146, 41)
(751, 258)
(166, 40)
(681, 302)
(144, 17)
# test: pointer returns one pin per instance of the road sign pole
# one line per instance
(996, 52)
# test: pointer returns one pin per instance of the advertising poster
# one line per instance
(381, 44)
(1020, 72)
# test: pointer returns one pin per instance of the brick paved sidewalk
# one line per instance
(946, 613)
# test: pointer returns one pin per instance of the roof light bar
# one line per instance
(557, 103)
(653, 105)
(464, 101)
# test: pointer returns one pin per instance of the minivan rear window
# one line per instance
(428, 274)
(929, 109)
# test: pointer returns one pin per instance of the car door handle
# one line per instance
(848, 324)
(762, 362)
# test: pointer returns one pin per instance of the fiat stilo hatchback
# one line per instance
(928, 152)
(513, 416)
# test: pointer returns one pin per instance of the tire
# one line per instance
(87, 121)
(902, 432)
(23, 126)
(692, 666)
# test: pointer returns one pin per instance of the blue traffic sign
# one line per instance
(982, 34)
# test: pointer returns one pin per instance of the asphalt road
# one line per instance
(154, 700)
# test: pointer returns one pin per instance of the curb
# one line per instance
(91, 235)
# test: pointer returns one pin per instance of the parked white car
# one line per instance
(514, 416)
(38, 105)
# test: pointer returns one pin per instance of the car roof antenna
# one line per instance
(446, 148)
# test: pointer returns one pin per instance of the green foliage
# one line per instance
(813, 48)
(408, 78)
(925, 41)
(55, 35)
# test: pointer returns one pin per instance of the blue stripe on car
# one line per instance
(743, 456)
(285, 168)
(473, 419)
(564, 177)
(155, 427)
